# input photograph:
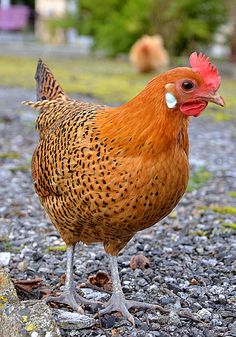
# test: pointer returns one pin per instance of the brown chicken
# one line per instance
(102, 173)
(149, 54)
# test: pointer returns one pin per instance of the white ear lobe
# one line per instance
(170, 100)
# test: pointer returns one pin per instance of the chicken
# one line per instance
(102, 174)
(148, 54)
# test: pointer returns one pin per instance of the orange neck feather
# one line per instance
(144, 124)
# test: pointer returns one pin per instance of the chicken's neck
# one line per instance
(145, 124)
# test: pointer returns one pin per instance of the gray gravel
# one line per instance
(192, 252)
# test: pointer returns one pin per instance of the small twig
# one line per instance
(190, 316)
(161, 309)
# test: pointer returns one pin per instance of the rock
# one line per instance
(164, 300)
(209, 262)
(94, 295)
(4, 231)
(22, 266)
(73, 320)
(222, 299)
(204, 314)
(28, 318)
(108, 321)
(5, 258)
(8, 293)
(174, 319)
(153, 288)
(216, 290)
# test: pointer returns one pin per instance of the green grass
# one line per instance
(198, 179)
(22, 168)
(10, 155)
(232, 194)
(229, 225)
(57, 248)
(224, 209)
(109, 80)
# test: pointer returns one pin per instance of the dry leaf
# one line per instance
(28, 289)
(139, 261)
(101, 280)
(46, 292)
(27, 285)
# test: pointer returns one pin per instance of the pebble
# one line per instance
(204, 314)
(73, 319)
(94, 295)
(174, 319)
(4, 230)
(22, 266)
(216, 290)
(5, 258)
(209, 262)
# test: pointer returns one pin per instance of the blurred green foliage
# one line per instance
(115, 24)
(184, 24)
(65, 22)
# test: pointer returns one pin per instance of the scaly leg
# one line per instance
(117, 301)
(69, 295)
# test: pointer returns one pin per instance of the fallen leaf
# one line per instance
(139, 261)
(101, 280)
(46, 292)
(28, 289)
(27, 285)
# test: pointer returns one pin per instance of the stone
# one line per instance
(204, 314)
(4, 231)
(73, 320)
(8, 293)
(94, 295)
(28, 318)
(5, 258)
(22, 266)
(174, 319)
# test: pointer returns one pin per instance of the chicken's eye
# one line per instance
(187, 85)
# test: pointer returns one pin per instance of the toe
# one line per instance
(131, 319)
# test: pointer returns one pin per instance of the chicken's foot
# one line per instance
(69, 295)
(117, 301)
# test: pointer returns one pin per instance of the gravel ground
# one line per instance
(192, 253)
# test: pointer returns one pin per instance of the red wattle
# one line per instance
(193, 108)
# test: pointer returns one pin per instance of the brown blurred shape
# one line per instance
(148, 54)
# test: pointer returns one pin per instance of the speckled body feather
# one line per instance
(102, 174)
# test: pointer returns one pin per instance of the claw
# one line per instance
(118, 302)
(72, 299)
(69, 298)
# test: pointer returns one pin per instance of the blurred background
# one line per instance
(112, 26)
(100, 36)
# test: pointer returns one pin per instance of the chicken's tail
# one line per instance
(47, 86)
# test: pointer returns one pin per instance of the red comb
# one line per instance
(202, 65)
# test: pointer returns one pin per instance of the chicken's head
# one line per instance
(190, 89)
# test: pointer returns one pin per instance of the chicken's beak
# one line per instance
(215, 98)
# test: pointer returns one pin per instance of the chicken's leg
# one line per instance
(69, 295)
(117, 301)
